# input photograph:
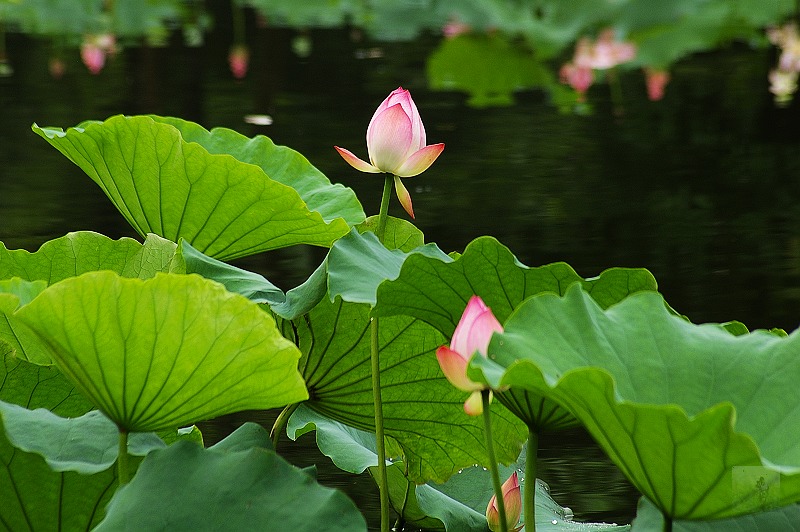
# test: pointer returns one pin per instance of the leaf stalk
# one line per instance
(487, 431)
(383, 485)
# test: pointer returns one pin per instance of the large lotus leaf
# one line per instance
(164, 184)
(703, 422)
(422, 411)
(238, 486)
(281, 164)
(785, 519)
(36, 498)
(87, 444)
(164, 352)
(457, 505)
(69, 256)
(437, 292)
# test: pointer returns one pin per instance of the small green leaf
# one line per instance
(164, 352)
(399, 234)
(358, 263)
(163, 183)
(85, 251)
(252, 489)
(87, 444)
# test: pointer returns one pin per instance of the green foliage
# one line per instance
(164, 352)
(701, 421)
(163, 183)
(437, 291)
(251, 488)
(457, 505)
(34, 496)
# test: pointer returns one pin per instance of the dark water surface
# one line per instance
(701, 188)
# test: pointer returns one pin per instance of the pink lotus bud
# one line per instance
(472, 335)
(656, 80)
(512, 500)
(396, 144)
(238, 59)
(579, 78)
(93, 56)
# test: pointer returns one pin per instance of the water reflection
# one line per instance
(699, 187)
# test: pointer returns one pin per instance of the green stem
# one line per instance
(530, 480)
(667, 523)
(383, 217)
(123, 471)
(238, 23)
(280, 423)
(383, 485)
(487, 431)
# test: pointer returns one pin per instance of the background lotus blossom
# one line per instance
(396, 144)
(512, 499)
(472, 334)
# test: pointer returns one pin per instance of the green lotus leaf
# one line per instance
(280, 163)
(163, 183)
(422, 411)
(34, 496)
(252, 489)
(289, 305)
(457, 505)
(164, 352)
(437, 292)
(702, 422)
(87, 444)
(358, 263)
(23, 275)
(398, 234)
(85, 251)
(785, 519)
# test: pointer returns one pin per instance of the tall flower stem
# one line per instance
(487, 431)
(383, 485)
(123, 471)
(280, 423)
(532, 449)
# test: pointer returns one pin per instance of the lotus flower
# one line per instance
(93, 57)
(472, 335)
(396, 144)
(512, 499)
(656, 81)
(238, 60)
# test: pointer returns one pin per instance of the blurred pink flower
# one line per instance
(238, 60)
(93, 57)
(512, 500)
(95, 48)
(578, 77)
(472, 336)
(656, 81)
(396, 144)
(453, 28)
